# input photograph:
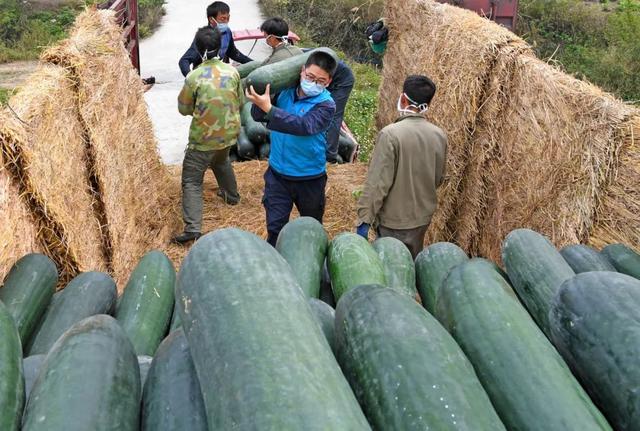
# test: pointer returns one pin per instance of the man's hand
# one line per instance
(262, 101)
(363, 230)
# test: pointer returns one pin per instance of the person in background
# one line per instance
(406, 168)
(298, 122)
(276, 31)
(218, 15)
(340, 89)
(212, 95)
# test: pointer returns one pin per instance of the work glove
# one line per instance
(363, 230)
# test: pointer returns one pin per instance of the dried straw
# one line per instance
(555, 142)
(18, 231)
(616, 218)
(458, 50)
(129, 175)
(340, 211)
(43, 140)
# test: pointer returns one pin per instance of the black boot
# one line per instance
(186, 237)
(227, 198)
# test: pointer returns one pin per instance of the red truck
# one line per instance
(503, 12)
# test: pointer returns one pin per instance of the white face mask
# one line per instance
(421, 108)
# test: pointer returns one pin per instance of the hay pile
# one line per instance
(616, 218)
(556, 140)
(458, 50)
(340, 212)
(129, 175)
(529, 146)
(43, 141)
(18, 231)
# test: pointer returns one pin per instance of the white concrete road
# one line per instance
(159, 55)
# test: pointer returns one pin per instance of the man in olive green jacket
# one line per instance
(407, 166)
(276, 31)
(211, 95)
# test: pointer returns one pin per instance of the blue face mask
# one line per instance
(310, 88)
(222, 27)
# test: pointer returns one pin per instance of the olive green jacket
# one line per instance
(282, 52)
(407, 166)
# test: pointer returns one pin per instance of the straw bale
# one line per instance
(339, 216)
(45, 143)
(131, 179)
(458, 50)
(616, 218)
(554, 143)
(18, 231)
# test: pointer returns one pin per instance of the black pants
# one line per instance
(341, 96)
(281, 194)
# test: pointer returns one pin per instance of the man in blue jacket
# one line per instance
(298, 122)
(218, 15)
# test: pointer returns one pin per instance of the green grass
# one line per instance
(24, 34)
(4, 96)
(362, 107)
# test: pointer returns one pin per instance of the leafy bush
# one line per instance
(597, 42)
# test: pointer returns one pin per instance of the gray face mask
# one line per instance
(421, 108)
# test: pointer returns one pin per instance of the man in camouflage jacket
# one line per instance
(212, 95)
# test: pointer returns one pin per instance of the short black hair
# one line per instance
(419, 88)
(323, 60)
(217, 7)
(207, 40)
(275, 26)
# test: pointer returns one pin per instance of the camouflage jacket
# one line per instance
(212, 94)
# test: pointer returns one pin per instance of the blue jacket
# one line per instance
(193, 57)
(298, 133)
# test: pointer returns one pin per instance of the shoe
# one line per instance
(225, 197)
(186, 237)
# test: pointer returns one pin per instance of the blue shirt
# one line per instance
(298, 133)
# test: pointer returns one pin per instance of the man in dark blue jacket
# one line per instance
(218, 15)
(298, 122)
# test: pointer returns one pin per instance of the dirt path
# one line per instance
(13, 74)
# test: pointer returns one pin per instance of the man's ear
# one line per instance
(211, 21)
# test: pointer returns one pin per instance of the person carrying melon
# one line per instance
(218, 16)
(406, 168)
(298, 121)
(212, 95)
(342, 82)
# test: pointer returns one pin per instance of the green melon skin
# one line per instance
(623, 259)
(88, 294)
(90, 380)
(281, 75)
(399, 269)
(11, 377)
(172, 398)
(144, 364)
(245, 69)
(529, 385)
(261, 358)
(406, 370)
(582, 258)
(175, 318)
(303, 243)
(147, 302)
(27, 291)
(595, 324)
(255, 131)
(31, 367)
(353, 262)
(433, 264)
(536, 271)
(325, 316)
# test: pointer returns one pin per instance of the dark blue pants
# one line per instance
(281, 194)
(340, 95)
